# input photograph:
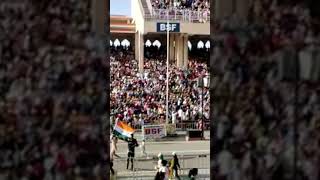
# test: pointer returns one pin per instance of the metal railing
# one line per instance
(145, 167)
(191, 125)
(183, 126)
(179, 15)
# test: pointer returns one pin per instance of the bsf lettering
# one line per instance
(152, 131)
(172, 27)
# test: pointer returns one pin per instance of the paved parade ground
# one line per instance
(167, 147)
(192, 154)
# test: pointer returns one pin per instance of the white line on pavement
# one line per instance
(169, 152)
(168, 142)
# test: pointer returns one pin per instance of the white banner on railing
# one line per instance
(153, 131)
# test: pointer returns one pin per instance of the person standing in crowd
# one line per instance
(174, 165)
(113, 153)
(199, 124)
(160, 159)
(132, 144)
(143, 148)
(163, 171)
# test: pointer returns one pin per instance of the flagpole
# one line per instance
(167, 75)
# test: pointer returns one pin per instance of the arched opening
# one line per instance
(200, 45)
(116, 43)
(207, 45)
(156, 43)
(189, 45)
(125, 43)
(148, 43)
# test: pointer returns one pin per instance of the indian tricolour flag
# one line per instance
(122, 131)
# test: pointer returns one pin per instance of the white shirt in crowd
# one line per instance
(146, 75)
(206, 114)
(184, 102)
(194, 112)
(183, 116)
(166, 171)
(180, 113)
(174, 117)
(141, 122)
(206, 82)
(143, 147)
(187, 112)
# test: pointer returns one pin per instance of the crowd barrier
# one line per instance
(181, 15)
(183, 126)
(191, 125)
(144, 167)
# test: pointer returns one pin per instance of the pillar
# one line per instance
(185, 51)
(136, 45)
(175, 47)
(179, 50)
(172, 50)
(141, 52)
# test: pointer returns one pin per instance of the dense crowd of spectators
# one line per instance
(51, 89)
(186, 10)
(194, 5)
(255, 98)
(140, 98)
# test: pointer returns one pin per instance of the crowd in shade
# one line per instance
(51, 91)
(181, 4)
(256, 101)
(140, 98)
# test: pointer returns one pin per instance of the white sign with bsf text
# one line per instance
(153, 131)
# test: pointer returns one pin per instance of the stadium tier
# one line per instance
(139, 67)
(155, 98)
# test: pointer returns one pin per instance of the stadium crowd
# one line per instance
(51, 92)
(255, 96)
(141, 98)
(40, 106)
(182, 4)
